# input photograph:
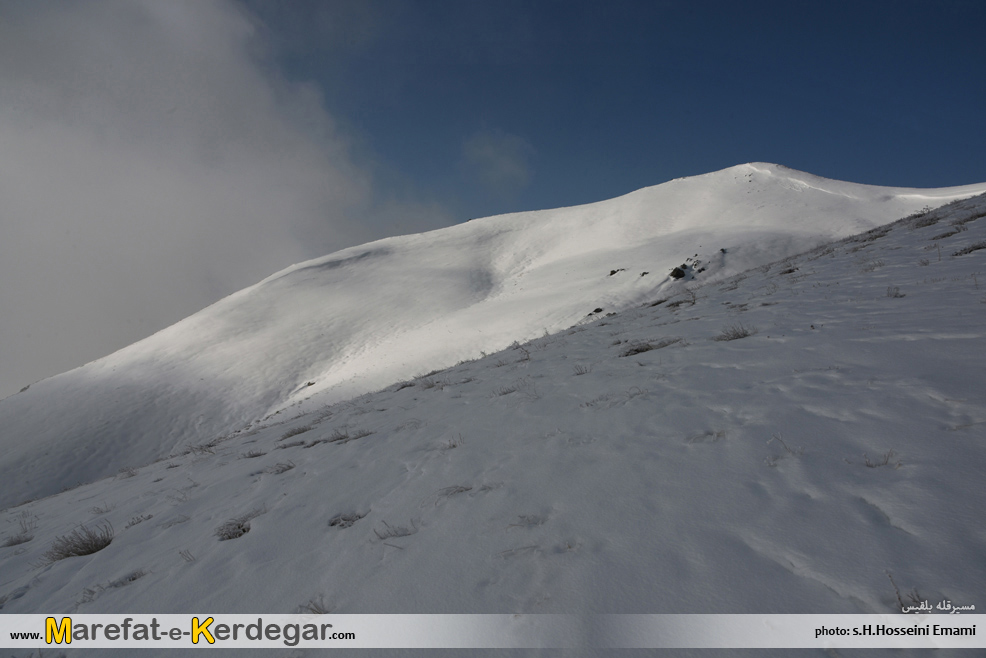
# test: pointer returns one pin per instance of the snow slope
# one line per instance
(364, 317)
(632, 464)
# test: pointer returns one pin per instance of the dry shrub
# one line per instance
(82, 541)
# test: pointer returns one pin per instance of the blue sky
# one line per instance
(158, 156)
(571, 102)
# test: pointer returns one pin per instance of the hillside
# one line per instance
(360, 319)
(772, 438)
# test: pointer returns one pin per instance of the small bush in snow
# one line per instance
(123, 581)
(295, 432)
(232, 529)
(970, 249)
(410, 424)
(894, 291)
(503, 390)
(90, 594)
(82, 541)
(528, 521)
(735, 332)
(451, 444)
(429, 383)
(948, 234)
(885, 461)
(873, 265)
(395, 531)
(16, 540)
(27, 525)
(175, 521)
(794, 453)
(345, 520)
(640, 348)
(237, 527)
(708, 435)
(966, 220)
(138, 520)
(342, 435)
(448, 492)
(922, 218)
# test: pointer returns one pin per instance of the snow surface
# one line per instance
(358, 320)
(787, 471)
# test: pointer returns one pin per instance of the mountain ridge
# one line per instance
(361, 318)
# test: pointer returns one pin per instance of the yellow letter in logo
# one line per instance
(58, 633)
(202, 629)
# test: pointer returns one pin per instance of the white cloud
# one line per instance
(499, 160)
(152, 160)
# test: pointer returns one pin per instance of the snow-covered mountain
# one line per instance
(362, 318)
(784, 432)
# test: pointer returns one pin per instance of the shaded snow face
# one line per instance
(801, 437)
(360, 319)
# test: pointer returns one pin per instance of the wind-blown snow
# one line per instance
(365, 317)
(630, 464)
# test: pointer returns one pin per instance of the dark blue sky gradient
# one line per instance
(609, 97)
